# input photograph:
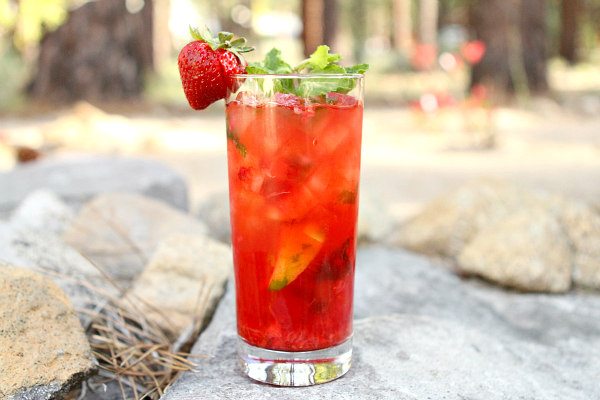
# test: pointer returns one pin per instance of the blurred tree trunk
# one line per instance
(402, 37)
(319, 19)
(492, 21)
(330, 22)
(101, 52)
(534, 45)
(428, 22)
(569, 33)
(514, 33)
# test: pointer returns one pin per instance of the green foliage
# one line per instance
(13, 73)
(31, 17)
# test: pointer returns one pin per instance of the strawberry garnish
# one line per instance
(206, 65)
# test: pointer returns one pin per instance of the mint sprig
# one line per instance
(319, 62)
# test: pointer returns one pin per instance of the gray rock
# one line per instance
(374, 219)
(448, 223)
(46, 253)
(422, 332)
(582, 224)
(214, 212)
(42, 210)
(392, 281)
(78, 180)
(528, 251)
(120, 232)
(184, 280)
(43, 349)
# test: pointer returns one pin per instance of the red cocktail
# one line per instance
(293, 181)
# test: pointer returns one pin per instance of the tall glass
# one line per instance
(294, 163)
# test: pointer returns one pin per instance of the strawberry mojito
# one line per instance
(293, 149)
(293, 182)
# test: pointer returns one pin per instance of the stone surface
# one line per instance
(43, 350)
(184, 280)
(422, 332)
(448, 223)
(214, 212)
(374, 219)
(582, 224)
(120, 231)
(76, 180)
(528, 250)
(44, 252)
(526, 240)
(42, 210)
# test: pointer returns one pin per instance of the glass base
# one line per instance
(305, 368)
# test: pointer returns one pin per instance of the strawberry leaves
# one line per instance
(320, 62)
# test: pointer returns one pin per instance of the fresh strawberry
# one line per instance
(206, 64)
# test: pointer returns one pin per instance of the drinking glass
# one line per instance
(293, 154)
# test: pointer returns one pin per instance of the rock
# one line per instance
(184, 280)
(45, 253)
(582, 224)
(42, 210)
(374, 219)
(79, 179)
(448, 223)
(120, 231)
(214, 212)
(43, 349)
(422, 332)
(528, 251)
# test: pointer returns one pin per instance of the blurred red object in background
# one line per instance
(473, 51)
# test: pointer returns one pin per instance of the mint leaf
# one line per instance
(357, 69)
(236, 141)
(321, 58)
(272, 64)
(321, 62)
(257, 69)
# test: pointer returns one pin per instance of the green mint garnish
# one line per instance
(236, 141)
(319, 62)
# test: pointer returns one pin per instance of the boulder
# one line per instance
(43, 349)
(375, 222)
(527, 251)
(46, 253)
(42, 210)
(76, 180)
(120, 232)
(582, 225)
(214, 212)
(183, 282)
(448, 223)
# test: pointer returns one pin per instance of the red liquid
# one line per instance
(293, 183)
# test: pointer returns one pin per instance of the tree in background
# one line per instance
(319, 19)
(569, 32)
(402, 26)
(101, 52)
(514, 33)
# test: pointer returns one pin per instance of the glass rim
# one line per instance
(298, 76)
